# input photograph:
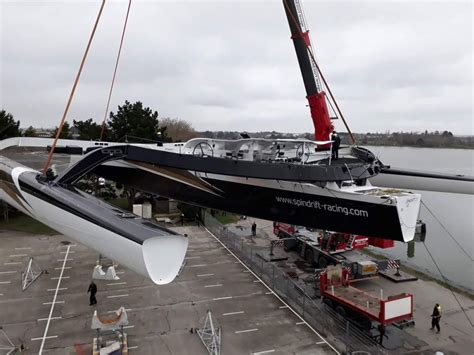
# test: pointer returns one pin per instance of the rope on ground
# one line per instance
(449, 286)
(71, 95)
(115, 71)
(447, 231)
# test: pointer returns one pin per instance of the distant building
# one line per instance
(44, 132)
(74, 132)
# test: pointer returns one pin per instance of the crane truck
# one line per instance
(323, 248)
(338, 293)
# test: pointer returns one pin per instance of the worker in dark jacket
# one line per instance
(92, 290)
(336, 142)
(435, 317)
(254, 229)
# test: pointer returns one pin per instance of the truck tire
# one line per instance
(322, 262)
(309, 256)
(341, 311)
(366, 324)
(289, 245)
(328, 302)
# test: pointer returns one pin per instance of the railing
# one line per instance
(340, 332)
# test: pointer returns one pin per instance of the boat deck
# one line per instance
(339, 162)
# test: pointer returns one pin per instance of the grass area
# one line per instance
(225, 217)
(422, 275)
(24, 223)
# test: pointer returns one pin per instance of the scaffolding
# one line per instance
(30, 275)
(6, 345)
(210, 336)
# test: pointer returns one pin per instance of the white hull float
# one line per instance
(138, 244)
(424, 181)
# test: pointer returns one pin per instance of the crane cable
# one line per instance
(447, 231)
(73, 90)
(448, 285)
(309, 49)
(115, 72)
(439, 269)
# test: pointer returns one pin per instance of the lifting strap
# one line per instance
(71, 95)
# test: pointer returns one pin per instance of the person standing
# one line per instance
(336, 142)
(435, 317)
(254, 229)
(92, 290)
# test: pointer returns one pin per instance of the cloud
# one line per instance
(393, 65)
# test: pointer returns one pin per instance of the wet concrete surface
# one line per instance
(160, 317)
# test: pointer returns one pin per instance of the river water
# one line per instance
(454, 214)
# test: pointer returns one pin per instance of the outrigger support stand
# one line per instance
(8, 348)
(30, 275)
(210, 336)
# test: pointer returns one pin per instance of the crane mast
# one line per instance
(314, 91)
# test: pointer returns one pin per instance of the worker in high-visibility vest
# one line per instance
(435, 317)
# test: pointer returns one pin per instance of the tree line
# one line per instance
(132, 122)
(436, 139)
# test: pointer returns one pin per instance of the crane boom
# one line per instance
(315, 94)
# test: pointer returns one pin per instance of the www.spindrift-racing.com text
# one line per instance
(325, 207)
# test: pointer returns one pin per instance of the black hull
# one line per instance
(329, 213)
(361, 167)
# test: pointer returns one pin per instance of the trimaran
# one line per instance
(292, 181)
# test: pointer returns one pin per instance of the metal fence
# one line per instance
(340, 332)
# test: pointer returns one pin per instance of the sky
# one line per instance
(230, 65)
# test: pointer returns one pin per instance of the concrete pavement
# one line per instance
(253, 320)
